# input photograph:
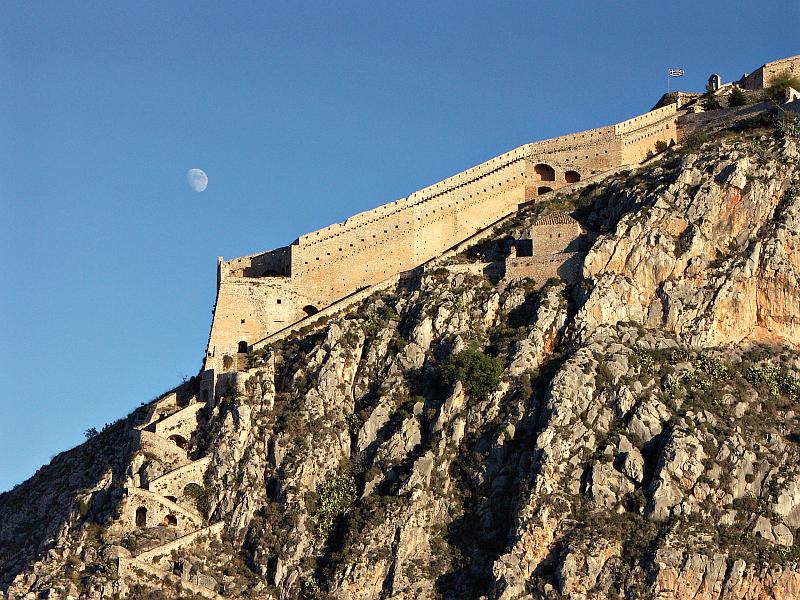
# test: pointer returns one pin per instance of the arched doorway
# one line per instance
(572, 177)
(543, 190)
(171, 520)
(310, 309)
(544, 172)
(242, 349)
(141, 517)
(179, 440)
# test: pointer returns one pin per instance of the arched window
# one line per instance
(141, 517)
(544, 172)
(227, 362)
(310, 309)
(178, 440)
(171, 520)
(543, 190)
(572, 177)
(242, 347)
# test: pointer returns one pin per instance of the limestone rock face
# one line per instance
(642, 439)
(713, 254)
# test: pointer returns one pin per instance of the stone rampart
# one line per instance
(161, 555)
(164, 450)
(145, 509)
(761, 77)
(332, 263)
(174, 482)
(135, 569)
(181, 423)
(565, 266)
(165, 405)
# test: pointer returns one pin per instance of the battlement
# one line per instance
(761, 77)
(265, 292)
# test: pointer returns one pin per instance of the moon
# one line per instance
(197, 178)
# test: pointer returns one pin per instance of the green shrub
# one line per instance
(198, 494)
(694, 141)
(477, 372)
(776, 380)
(789, 125)
(779, 83)
(661, 146)
(709, 100)
(334, 497)
(737, 97)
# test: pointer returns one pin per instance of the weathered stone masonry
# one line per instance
(262, 293)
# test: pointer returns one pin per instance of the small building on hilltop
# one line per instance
(551, 248)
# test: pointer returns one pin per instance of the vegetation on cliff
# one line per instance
(468, 436)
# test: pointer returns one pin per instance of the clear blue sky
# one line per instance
(301, 114)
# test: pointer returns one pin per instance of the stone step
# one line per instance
(172, 482)
(164, 552)
(136, 569)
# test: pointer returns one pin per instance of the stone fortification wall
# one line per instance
(274, 263)
(173, 483)
(157, 509)
(166, 451)
(565, 266)
(182, 422)
(761, 77)
(331, 263)
(638, 136)
(160, 556)
(556, 238)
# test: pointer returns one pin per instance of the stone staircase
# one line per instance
(164, 432)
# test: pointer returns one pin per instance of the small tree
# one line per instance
(90, 433)
(737, 97)
(477, 372)
(710, 101)
(779, 83)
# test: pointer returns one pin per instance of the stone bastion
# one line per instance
(263, 293)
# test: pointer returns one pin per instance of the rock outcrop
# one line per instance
(636, 435)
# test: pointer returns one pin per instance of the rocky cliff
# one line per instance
(465, 436)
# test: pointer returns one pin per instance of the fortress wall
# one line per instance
(638, 136)
(790, 64)
(554, 239)
(277, 262)
(183, 422)
(162, 554)
(247, 309)
(173, 483)
(565, 266)
(587, 152)
(334, 262)
(166, 451)
(157, 510)
(761, 77)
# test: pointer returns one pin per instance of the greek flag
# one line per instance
(676, 72)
